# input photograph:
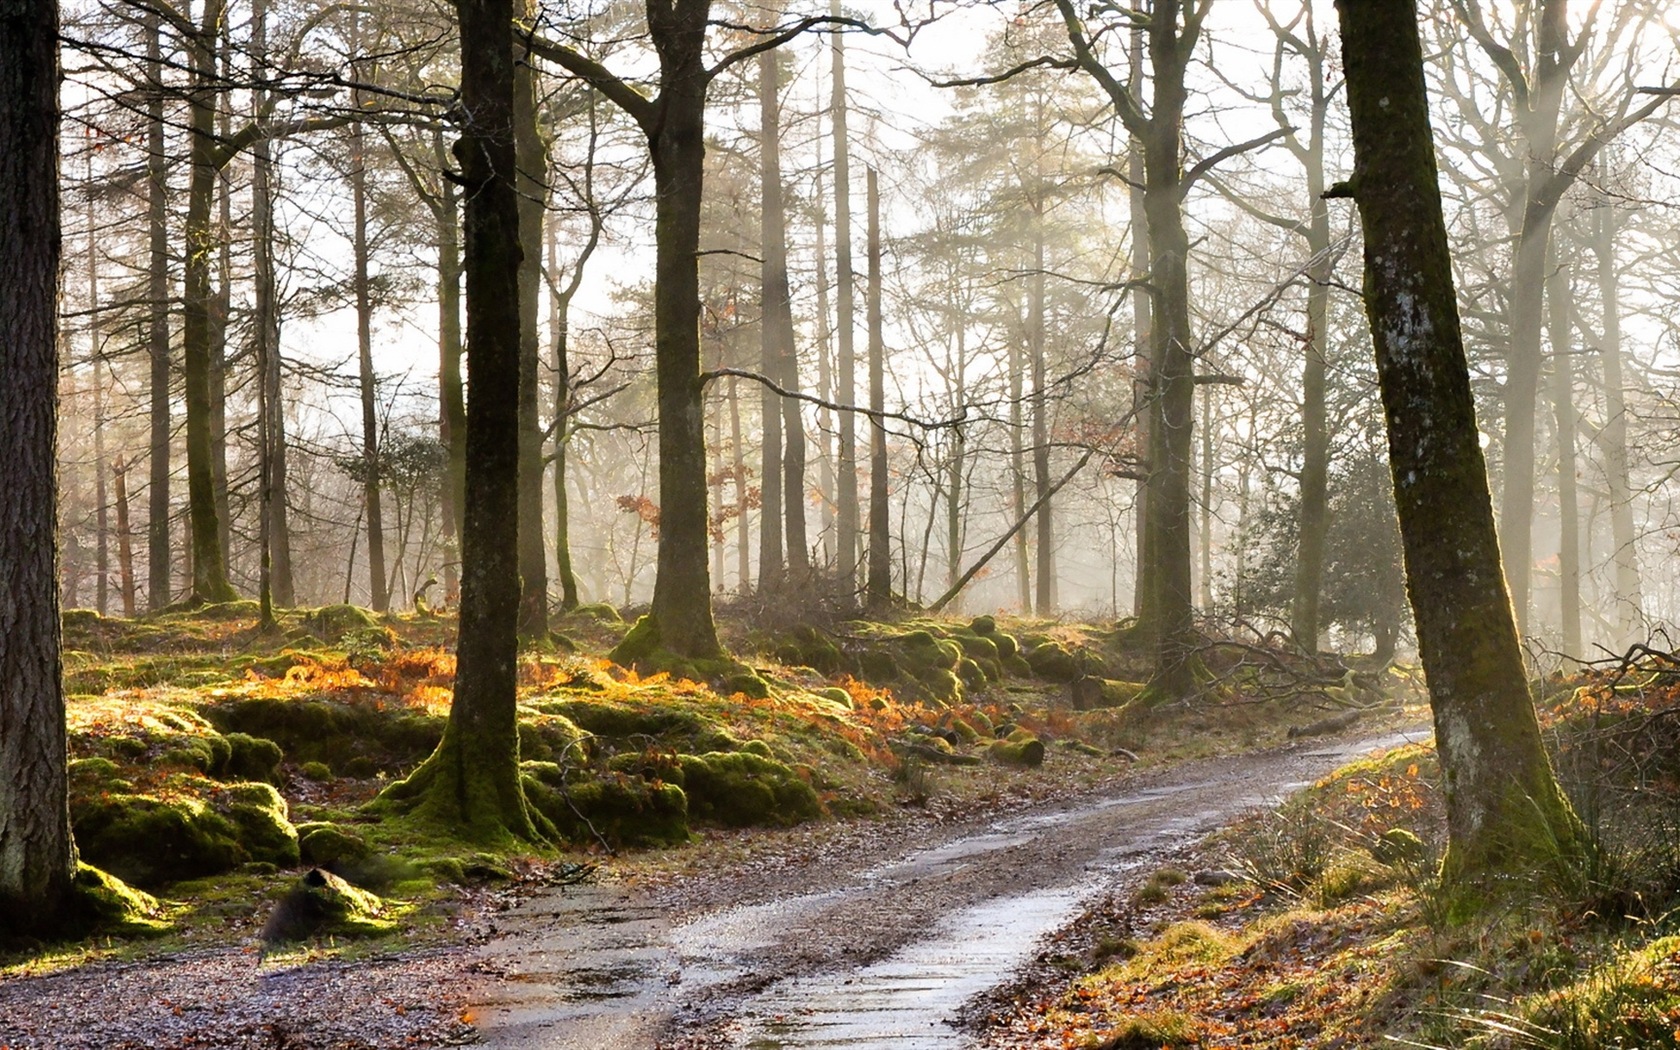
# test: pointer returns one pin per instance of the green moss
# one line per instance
(746, 683)
(976, 647)
(150, 841)
(261, 815)
(983, 625)
(318, 771)
(965, 730)
(599, 611)
(103, 903)
(836, 694)
(737, 789)
(328, 845)
(322, 905)
(922, 651)
(757, 747)
(1006, 645)
(641, 643)
(546, 736)
(92, 775)
(625, 810)
(878, 666)
(806, 646)
(1052, 660)
(253, 758)
(1020, 748)
(358, 739)
(942, 685)
(972, 674)
(331, 623)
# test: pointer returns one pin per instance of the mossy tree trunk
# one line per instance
(1505, 811)
(532, 156)
(471, 784)
(37, 854)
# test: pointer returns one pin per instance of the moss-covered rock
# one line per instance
(1006, 645)
(351, 738)
(331, 623)
(836, 694)
(878, 666)
(265, 828)
(942, 685)
(321, 904)
(623, 809)
(253, 758)
(738, 789)
(920, 651)
(207, 753)
(326, 845)
(151, 841)
(745, 683)
(972, 674)
(983, 625)
(599, 611)
(806, 646)
(1053, 661)
(103, 903)
(545, 736)
(1091, 692)
(1020, 748)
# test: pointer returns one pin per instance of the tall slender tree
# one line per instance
(1505, 811)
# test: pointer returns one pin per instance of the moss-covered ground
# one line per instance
(1323, 923)
(214, 764)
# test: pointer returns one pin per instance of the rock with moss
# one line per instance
(878, 666)
(745, 683)
(1006, 645)
(806, 646)
(207, 752)
(1053, 661)
(738, 789)
(1398, 847)
(1092, 692)
(972, 674)
(983, 625)
(354, 739)
(322, 904)
(152, 841)
(332, 623)
(326, 845)
(546, 736)
(941, 686)
(837, 695)
(624, 809)
(599, 611)
(1019, 748)
(102, 903)
(253, 758)
(920, 651)
(261, 815)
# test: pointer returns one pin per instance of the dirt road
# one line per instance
(869, 949)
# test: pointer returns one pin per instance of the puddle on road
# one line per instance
(903, 1001)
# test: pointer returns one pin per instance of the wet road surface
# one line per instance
(872, 952)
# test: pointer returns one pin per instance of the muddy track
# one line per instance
(870, 949)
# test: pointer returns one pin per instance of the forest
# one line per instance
(486, 473)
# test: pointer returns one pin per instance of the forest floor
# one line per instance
(872, 791)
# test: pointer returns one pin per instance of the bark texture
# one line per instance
(37, 855)
(471, 782)
(1505, 811)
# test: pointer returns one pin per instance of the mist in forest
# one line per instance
(938, 350)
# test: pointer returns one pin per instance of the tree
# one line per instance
(1505, 810)
(471, 782)
(37, 853)
(674, 121)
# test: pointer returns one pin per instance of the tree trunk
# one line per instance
(96, 365)
(848, 524)
(471, 782)
(533, 198)
(374, 515)
(1046, 540)
(125, 538)
(1313, 524)
(221, 307)
(1018, 467)
(1505, 811)
(1560, 301)
(1613, 438)
(878, 592)
(559, 323)
(682, 599)
(274, 583)
(1172, 390)
(743, 538)
(825, 385)
(1143, 584)
(209, 562)
(772, 328)
(157, 324)
(37, 854)
(452, 404)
